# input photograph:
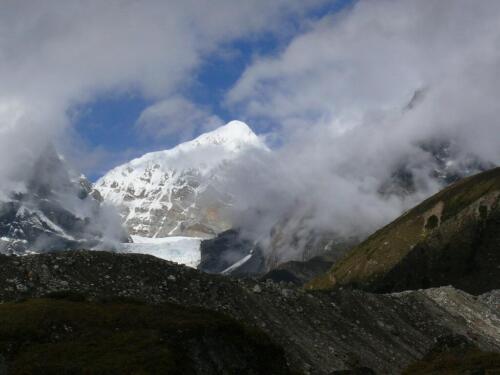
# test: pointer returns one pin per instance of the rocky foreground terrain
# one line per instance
(319, 332)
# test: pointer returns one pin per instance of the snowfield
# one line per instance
(183, 250)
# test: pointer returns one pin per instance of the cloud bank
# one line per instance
(176, 116)
(356, 98)
(375, 91)
(56, 55)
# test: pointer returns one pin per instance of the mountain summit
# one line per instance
(178, 191)
(234, 136)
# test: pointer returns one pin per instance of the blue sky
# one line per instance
(108, 123)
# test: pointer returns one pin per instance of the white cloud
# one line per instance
(338, 93)
(373, 57)
(55, 54)
(81, 47)
(337, 90)
(176, 116)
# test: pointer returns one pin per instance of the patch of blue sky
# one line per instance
(108, 122)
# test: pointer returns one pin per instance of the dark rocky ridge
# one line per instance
(469, 261)
(319, 331)
(451, 238)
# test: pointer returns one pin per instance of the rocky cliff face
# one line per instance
(56, 210)
(451, 238)
(179, 191)
(230, 254)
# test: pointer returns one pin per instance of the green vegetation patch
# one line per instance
(67, 336)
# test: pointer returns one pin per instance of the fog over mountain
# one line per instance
(249, 187)
(56, 57)
(381, 88)
(367, 110)
(180, 191)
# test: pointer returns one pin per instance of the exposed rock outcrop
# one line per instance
(230, 254)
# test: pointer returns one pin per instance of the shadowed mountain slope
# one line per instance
(451, 238)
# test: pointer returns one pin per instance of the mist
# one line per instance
(362, 96)
(350, 102)
(56, 57)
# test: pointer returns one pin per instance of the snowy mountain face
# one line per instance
(178, 192)
(56, 211)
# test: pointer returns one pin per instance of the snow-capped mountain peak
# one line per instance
(175, 191)
(233, 136)
(201, 153)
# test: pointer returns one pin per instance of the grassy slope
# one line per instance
(61, 336)
(386, 247)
